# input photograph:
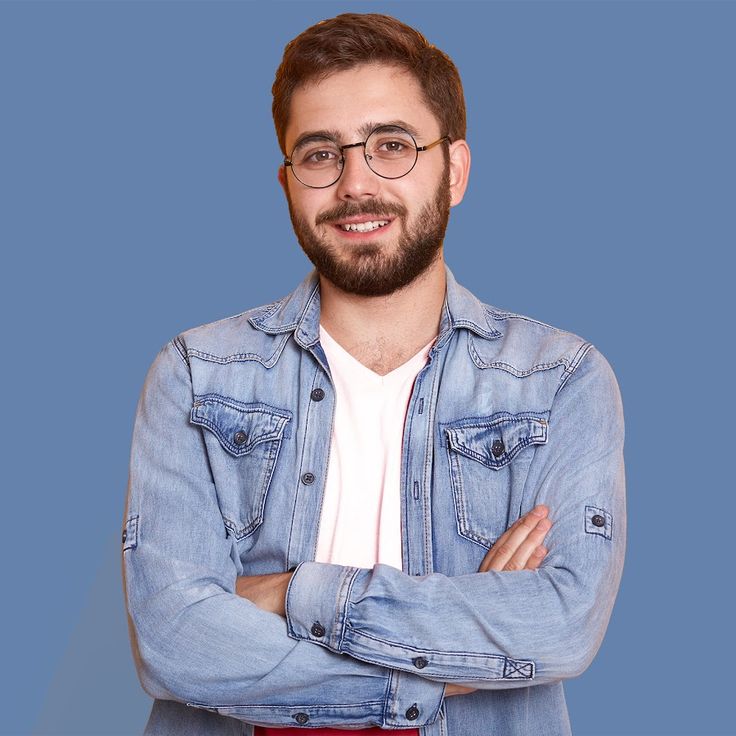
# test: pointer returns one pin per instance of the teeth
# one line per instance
(364, 227)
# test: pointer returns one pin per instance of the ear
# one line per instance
(282, 177)
(459, 170)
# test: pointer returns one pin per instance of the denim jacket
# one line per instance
(229, 459)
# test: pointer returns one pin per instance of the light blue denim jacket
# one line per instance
(229, 459)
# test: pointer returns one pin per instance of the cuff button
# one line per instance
(301, 718)
(412, 713)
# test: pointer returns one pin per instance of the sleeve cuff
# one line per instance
(412, 702)
(316, 603)
(316, 610)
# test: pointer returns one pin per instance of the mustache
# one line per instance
(354, 209)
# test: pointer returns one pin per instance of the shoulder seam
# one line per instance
(583, 350)
(181, 350)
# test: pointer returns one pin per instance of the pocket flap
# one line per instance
(497, 439)
(239, 427)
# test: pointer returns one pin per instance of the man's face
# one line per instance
(414, 208)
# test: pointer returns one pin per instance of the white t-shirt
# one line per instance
(360, 524)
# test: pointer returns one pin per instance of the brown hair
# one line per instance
(351, 39)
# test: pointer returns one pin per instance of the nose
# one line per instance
(357, 180)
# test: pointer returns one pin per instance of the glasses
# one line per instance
(390, 152)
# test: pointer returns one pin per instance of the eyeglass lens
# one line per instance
(389, 151)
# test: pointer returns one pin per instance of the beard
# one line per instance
(367, 269)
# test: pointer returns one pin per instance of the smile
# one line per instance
(363, 227)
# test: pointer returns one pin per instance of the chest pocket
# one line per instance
(243, 444)
(489, 459)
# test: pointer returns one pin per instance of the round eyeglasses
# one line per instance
(391, 152)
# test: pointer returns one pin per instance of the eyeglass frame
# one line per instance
(341, 163)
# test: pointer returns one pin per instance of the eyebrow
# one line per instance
(366, 128)
(363, 131)
(316, 135)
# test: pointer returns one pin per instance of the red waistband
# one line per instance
(260, 731)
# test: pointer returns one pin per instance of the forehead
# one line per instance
(351, 100)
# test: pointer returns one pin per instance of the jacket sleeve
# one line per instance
(196, 641)
(500, 629)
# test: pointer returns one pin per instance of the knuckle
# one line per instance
(505, 550)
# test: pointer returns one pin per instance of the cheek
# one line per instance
(310, 202)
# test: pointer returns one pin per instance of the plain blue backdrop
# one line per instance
(138, 197)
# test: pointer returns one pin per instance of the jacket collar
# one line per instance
(299, 313)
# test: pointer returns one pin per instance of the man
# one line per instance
(338, 506)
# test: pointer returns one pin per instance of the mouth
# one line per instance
(363, 224)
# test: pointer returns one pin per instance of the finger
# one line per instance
(452, 688)
(538, 512)
(526, 548)
(502, 540)
(522, 527)
(537, 558)
(519, 538)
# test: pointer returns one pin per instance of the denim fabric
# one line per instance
(507, 413)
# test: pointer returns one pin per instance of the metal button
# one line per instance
(240, 437)
(412, 713)
(125, 535)
(317, 630)
(317, 394)
(308, 479)
(498, 448)
(420, 663)
(301, 718)
(598, 520)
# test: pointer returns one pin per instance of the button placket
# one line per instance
(315, 436)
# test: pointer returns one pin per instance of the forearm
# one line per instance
(204, 646)
(491, 629)
(198, 642)
(496, 629)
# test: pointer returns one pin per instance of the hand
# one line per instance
(266, 591)
(453, 688)
(520, 546)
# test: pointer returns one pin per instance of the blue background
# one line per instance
(138, 197)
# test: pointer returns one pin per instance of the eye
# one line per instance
(316, 154)
(320, 157)
(392, 146)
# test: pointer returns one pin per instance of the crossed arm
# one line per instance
(519, 548)
(200, 639)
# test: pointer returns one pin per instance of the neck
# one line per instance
(382, 332)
